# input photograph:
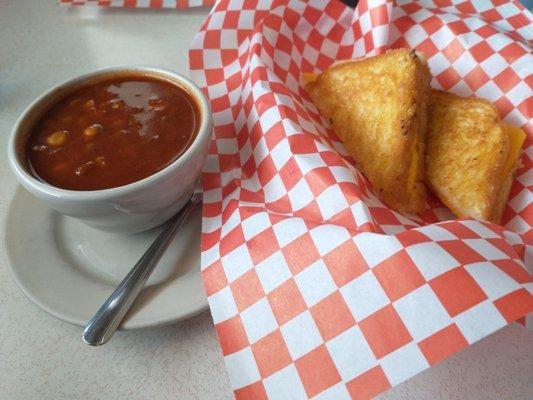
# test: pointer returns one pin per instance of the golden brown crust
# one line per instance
(466, 152)
(417, 199)
(378, 109)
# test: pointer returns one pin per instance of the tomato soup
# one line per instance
(112, 133)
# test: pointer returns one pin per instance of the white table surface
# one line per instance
(42, 44)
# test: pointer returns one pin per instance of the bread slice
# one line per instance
(471, 156)
(378, 108)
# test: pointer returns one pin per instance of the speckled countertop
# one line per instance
(42, 44)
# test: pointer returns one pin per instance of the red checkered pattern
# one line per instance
(317, 290)
(140, 3)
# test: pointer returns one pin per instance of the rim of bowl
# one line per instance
(79, 81)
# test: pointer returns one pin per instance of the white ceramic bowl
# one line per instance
(130, 208)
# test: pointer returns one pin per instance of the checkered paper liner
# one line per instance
(139, 3)
(318, 290)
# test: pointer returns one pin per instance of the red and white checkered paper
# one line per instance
(140, 3)
(318, 290)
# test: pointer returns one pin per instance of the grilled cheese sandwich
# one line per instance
(378, 108)
(471, 155)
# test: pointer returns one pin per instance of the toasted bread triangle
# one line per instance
(469, 165)
(378, 108)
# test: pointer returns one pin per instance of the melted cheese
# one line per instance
(309, 77)
(516, 139)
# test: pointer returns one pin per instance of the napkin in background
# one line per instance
(139, 3)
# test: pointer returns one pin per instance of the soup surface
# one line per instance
(112, 133)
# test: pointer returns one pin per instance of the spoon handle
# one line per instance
(107, 319)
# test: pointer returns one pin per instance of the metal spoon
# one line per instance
(104, 323)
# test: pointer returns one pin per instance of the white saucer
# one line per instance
(69, 269)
